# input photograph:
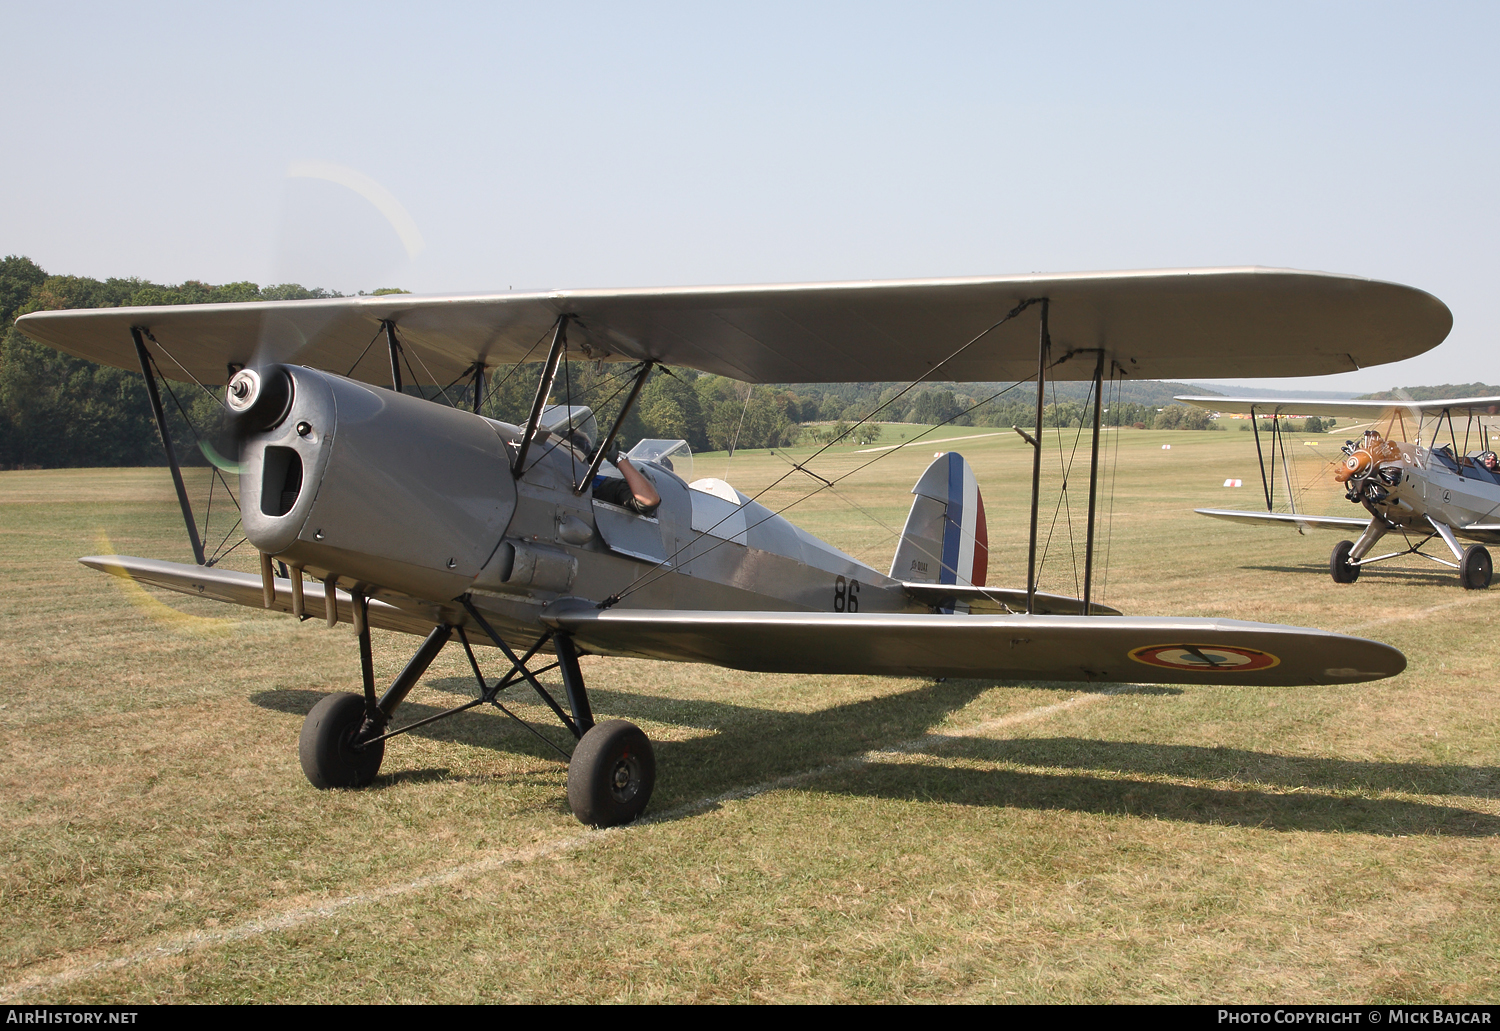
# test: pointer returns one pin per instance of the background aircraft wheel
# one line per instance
(1476, 568)
(1344, 572)
(611, 774)
(326, 746)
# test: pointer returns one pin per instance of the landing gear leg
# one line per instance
(336, 746)
(613, 768)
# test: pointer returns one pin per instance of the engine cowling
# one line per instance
(377, 488)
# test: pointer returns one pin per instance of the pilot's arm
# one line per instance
(641, 488)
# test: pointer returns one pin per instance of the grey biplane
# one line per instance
(1438, 492)
(372, 506)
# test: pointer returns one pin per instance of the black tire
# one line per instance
(611, 774)
(1344, 572)
(326, 746)
(1476, 568)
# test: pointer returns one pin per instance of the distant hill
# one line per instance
(1441, 393)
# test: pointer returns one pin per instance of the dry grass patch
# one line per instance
(812, 838)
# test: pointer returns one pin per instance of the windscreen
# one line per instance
(674, 455)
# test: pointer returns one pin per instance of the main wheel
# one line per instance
(1475, 569)
(611, 774)
(1344, 571)
(326, 747)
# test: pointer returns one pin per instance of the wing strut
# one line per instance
(1265, 482)
(1088, 548)
(1286, 474)
(1278, 443)
(166, 443)
(479, 377)
(1043, 348)
(588, 479)
(543, 391)
(394, 346)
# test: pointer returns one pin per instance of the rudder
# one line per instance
(945, 540)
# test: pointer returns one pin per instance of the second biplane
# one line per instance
(390, 511)
(1441, 491)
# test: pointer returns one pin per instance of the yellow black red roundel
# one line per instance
(1221, 657)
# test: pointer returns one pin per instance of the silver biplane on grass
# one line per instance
(390, 511)
(1443, 491)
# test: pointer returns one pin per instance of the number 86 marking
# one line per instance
(845, 595)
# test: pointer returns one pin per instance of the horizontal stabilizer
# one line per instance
(226, 585)
(1351, 523)
(1070, 648)
(1000, 600)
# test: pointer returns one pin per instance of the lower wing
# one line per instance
(1303, 522)
(246, 589)
(1003, 647)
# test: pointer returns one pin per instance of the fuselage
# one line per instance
(396, 496)
(1434, 482)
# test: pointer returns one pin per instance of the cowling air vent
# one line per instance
(281, 481)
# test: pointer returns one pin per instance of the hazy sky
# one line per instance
(579, 145)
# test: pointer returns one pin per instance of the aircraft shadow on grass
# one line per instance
(750, 745)
(1418, 577)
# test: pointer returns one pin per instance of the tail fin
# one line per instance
(945, 540)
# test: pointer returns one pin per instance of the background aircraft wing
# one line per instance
(1069, 648)
(1351, 523)
(1155, 324)
(1342, 409)
(409, 617)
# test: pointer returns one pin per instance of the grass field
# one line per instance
(811, 838)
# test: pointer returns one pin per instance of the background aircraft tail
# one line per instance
(945, 540)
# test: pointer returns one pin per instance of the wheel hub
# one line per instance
(625, 779)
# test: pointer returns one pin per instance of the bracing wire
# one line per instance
(215, 472)
(1018, 309)
(366, 351)
(623, 383)
(430, 376)
(658, 571)
(1066, 467)
(495, 390)
(735, 443)
(217, 399)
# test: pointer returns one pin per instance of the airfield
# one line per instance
(817, 839)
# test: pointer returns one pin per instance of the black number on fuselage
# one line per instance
(845, 595)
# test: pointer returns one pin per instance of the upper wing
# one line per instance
(1116, 648)
(1351, 523)
(1343, 409)
(1154, 324)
